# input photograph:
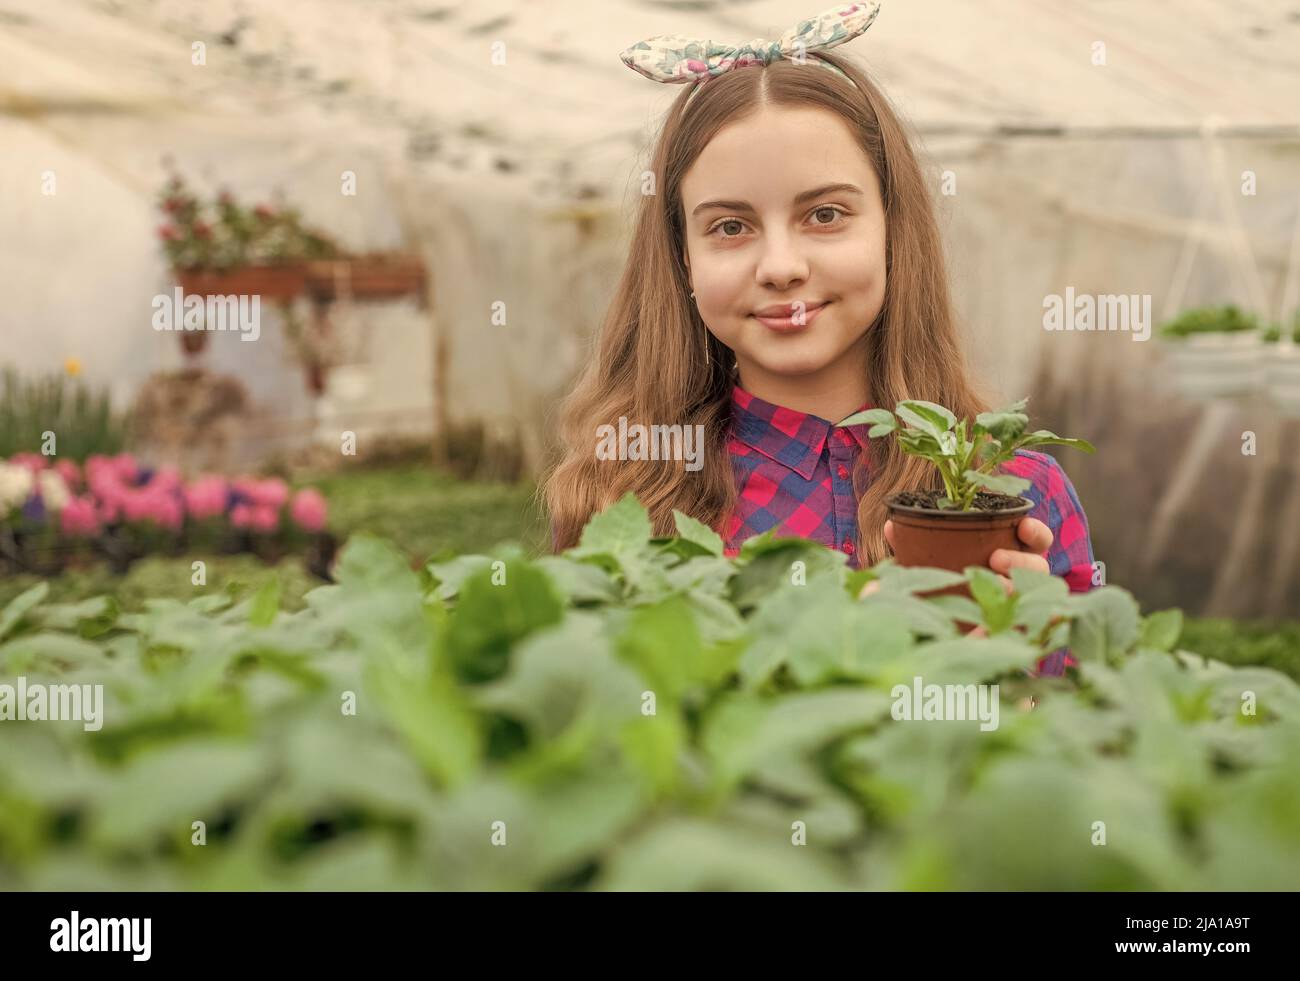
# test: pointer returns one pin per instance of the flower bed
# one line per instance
(53, 514)
(635, 714)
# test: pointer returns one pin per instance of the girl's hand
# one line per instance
(1037, 539)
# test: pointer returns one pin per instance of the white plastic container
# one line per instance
(1282, 374)
(1216, 365)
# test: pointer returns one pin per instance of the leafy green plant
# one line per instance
(639, 713)
(82, 418)
(1226, 319)
(1273, 332)
(965, 460)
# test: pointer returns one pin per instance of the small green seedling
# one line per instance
(965, 461)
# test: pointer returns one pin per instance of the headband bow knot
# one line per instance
(674, 58)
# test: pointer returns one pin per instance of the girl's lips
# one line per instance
(788, 325)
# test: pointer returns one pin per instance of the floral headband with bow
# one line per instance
(673, 58)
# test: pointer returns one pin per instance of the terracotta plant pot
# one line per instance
(366, 277)
(953, 540)
(269, 282)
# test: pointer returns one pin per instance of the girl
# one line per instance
(788, 272)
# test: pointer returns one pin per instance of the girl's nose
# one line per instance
(781, 263)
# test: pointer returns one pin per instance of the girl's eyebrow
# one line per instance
(799, 198)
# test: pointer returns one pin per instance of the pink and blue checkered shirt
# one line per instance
(794, 474)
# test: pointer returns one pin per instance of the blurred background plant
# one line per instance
(82, 418)
(1273, 332)
(223, 234)
(1227, 319)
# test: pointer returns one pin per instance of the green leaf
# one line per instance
(778, 563)
(880, 419)
(19, 606)
(965, 660)
(698, 532)
(741, 731)
(895, 578)
(1044, 438)
(821, 635)
(663, 642)
(563, 674)
(266, 604)
(163, 792)
(687, 854)
(48, 652)
(491, 617)
(621, 529)
(999, 483)
(1005, 425)
(928, 417)
(452, 573)
(1161, 630)
(1105, 624)
(997, 606)
(579, 582)
(431, 715)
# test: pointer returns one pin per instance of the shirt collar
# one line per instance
(793, 439)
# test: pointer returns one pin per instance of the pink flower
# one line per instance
(308, 509)
(156, 505)
(137, 505)
(166, 479)
(265, 518)
(272, 492)
(125, 467)
(32, 461)
(241, 516)
(168, 512)
(109, 510)
(69, 471)
(78, 517)
(168, 233)
(96, 464)
(206, 498)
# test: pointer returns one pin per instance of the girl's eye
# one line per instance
(728, 222)
(734, 227)
(830, 209)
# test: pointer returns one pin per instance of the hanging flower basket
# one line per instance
(282, 282)
(1214, 352)
(366, 277)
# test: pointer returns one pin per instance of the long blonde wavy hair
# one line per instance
(649, 361)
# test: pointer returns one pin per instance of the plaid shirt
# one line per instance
(794, 473)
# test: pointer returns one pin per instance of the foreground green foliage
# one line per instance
(503, 739)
